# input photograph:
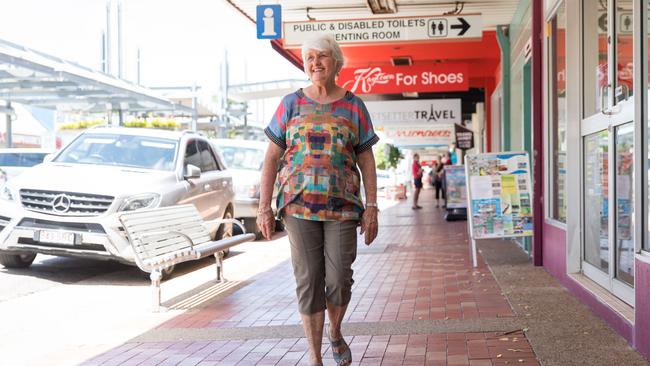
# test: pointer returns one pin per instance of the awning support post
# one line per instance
(9, 132)
(194, 107)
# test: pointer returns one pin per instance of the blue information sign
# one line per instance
(269, 21)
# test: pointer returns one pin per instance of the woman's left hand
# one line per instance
(369, 224)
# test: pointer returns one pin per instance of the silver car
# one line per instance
(69, 206)
(14, 161)
(244, 158)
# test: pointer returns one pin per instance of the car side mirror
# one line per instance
(192, 172)
(49, 157)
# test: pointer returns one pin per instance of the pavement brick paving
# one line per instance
(413, 287)
(416, 301)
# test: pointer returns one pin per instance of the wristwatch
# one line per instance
(372, 204)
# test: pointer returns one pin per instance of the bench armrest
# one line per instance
(225, 221)
(222, 244)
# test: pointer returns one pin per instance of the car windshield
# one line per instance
(121, 150)
(21, 159)
(242, 157)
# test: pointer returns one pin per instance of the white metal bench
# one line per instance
(163, 237)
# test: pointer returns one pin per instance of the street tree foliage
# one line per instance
(387, 156)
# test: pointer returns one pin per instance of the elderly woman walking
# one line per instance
(319, 135)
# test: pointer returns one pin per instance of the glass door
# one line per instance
(608, 146)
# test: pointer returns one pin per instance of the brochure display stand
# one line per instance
(456, 193)
(498, 196)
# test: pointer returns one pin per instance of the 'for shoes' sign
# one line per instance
(399, 79)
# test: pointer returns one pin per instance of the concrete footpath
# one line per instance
(416, 301)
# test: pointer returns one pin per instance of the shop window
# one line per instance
(557, 115)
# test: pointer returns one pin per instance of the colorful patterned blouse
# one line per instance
(318, 177)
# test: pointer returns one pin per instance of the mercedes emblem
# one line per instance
(61, 203)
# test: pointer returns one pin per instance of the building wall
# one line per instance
(642, 305)
(562, 242)
(554, 250)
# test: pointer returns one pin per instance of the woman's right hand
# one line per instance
(266, 222)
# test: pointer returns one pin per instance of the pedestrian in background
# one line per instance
(416, 170)
(445, 160)
(320, 135)
(439, 177)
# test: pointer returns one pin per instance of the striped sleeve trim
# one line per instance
(281, 143)
(367, 145)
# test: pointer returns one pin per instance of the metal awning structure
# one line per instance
(481, 55)
(37, 79)
(495, 12)
(267, 89)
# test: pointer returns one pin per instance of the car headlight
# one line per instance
(248, 190)
(148, 200)
(5, 193)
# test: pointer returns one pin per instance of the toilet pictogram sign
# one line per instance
(269, 21)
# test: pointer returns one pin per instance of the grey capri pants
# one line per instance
(322, 253)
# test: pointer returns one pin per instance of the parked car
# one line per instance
(384, 179)
(244, 158)
(70, 205)
(16, 160)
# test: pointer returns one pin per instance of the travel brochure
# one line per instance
(499, 195)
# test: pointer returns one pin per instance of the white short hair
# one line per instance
(324, 42)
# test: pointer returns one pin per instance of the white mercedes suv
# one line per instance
(69, 206)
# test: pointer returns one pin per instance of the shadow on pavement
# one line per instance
(82, 271)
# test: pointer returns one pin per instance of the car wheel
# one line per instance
(251, 227)
(225, 230)
(17, 260)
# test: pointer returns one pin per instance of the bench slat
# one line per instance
(161, 220)
(165, 226)
(167, 240)
(153, 214)
(158, 219)
(162, 241)
(168, 245)
(184, 219)
(163, 237)
(162, 210)
(186, 254)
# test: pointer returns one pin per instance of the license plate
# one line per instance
(56, 237)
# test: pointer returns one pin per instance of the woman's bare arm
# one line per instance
(369, 221)
(265, 219)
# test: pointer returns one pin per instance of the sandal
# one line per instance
(341, 358)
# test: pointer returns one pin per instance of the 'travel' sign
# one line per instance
(399, 79)
(381, 30)
(410, 112)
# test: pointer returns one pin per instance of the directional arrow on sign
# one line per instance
(463, 26)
